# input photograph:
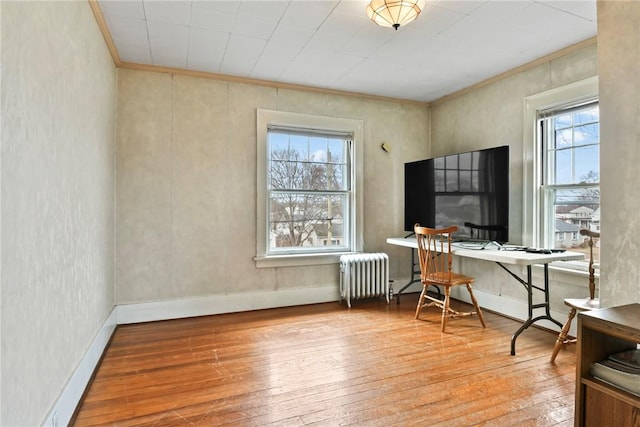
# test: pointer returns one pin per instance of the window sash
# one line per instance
(273, 119)
(300, 217)
(555, 179)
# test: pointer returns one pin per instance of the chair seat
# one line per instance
(583, 304)
(443, 279)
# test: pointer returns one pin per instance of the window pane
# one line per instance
(587, 164)
(563, 139)
(562, 121)
(587, 115)
(336, 177)
(315, 176)
(586, 134)
(306, 220)
(336, 150)
(285, 174)
(278, 141)
(300, 146)
(318, 150)
(575, 209)
(563, 168)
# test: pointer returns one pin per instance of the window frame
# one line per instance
(280, 119)
(550, 184)
(533, 206)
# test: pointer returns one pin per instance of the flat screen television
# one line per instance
(462, 188)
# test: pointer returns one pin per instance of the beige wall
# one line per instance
(619, 64)
(58, 105)
(492, 116)
(186, 183)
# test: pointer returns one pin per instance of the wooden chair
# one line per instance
(434, 254)
(579, 304)
(498, 233)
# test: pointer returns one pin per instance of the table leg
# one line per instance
(531, 306)
(529, 320)
(413, 276)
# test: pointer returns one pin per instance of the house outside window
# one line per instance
(309, 188)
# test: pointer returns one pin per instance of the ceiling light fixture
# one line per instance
(394, 13)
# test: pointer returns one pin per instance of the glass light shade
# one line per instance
(394, 13)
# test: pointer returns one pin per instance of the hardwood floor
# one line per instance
(326, 365)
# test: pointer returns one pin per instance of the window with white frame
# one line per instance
(561, 191)
(569, 191)
(308, 188)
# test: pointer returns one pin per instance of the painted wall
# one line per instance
(619, 64)
(58, 115)
(186, 184)
(184, 145)
(492, 116)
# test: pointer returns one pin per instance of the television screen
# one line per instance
(460, 189)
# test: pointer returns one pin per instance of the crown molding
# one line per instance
(102, 24)
(97, 11)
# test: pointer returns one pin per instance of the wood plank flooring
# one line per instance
(326, 365)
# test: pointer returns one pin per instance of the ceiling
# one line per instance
(331, 44)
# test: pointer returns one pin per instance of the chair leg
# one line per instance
(563, 335)
(421, 300)
(475, 304)
(445, 306)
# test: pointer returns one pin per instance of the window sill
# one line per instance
(298, 260)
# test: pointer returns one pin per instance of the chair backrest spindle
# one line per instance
(434, 253)
(592, 275)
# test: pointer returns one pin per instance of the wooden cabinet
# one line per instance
(601, 333)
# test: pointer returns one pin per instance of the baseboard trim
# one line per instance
(65, 406)
(220, 304)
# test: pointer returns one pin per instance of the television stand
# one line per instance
(498, 244)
